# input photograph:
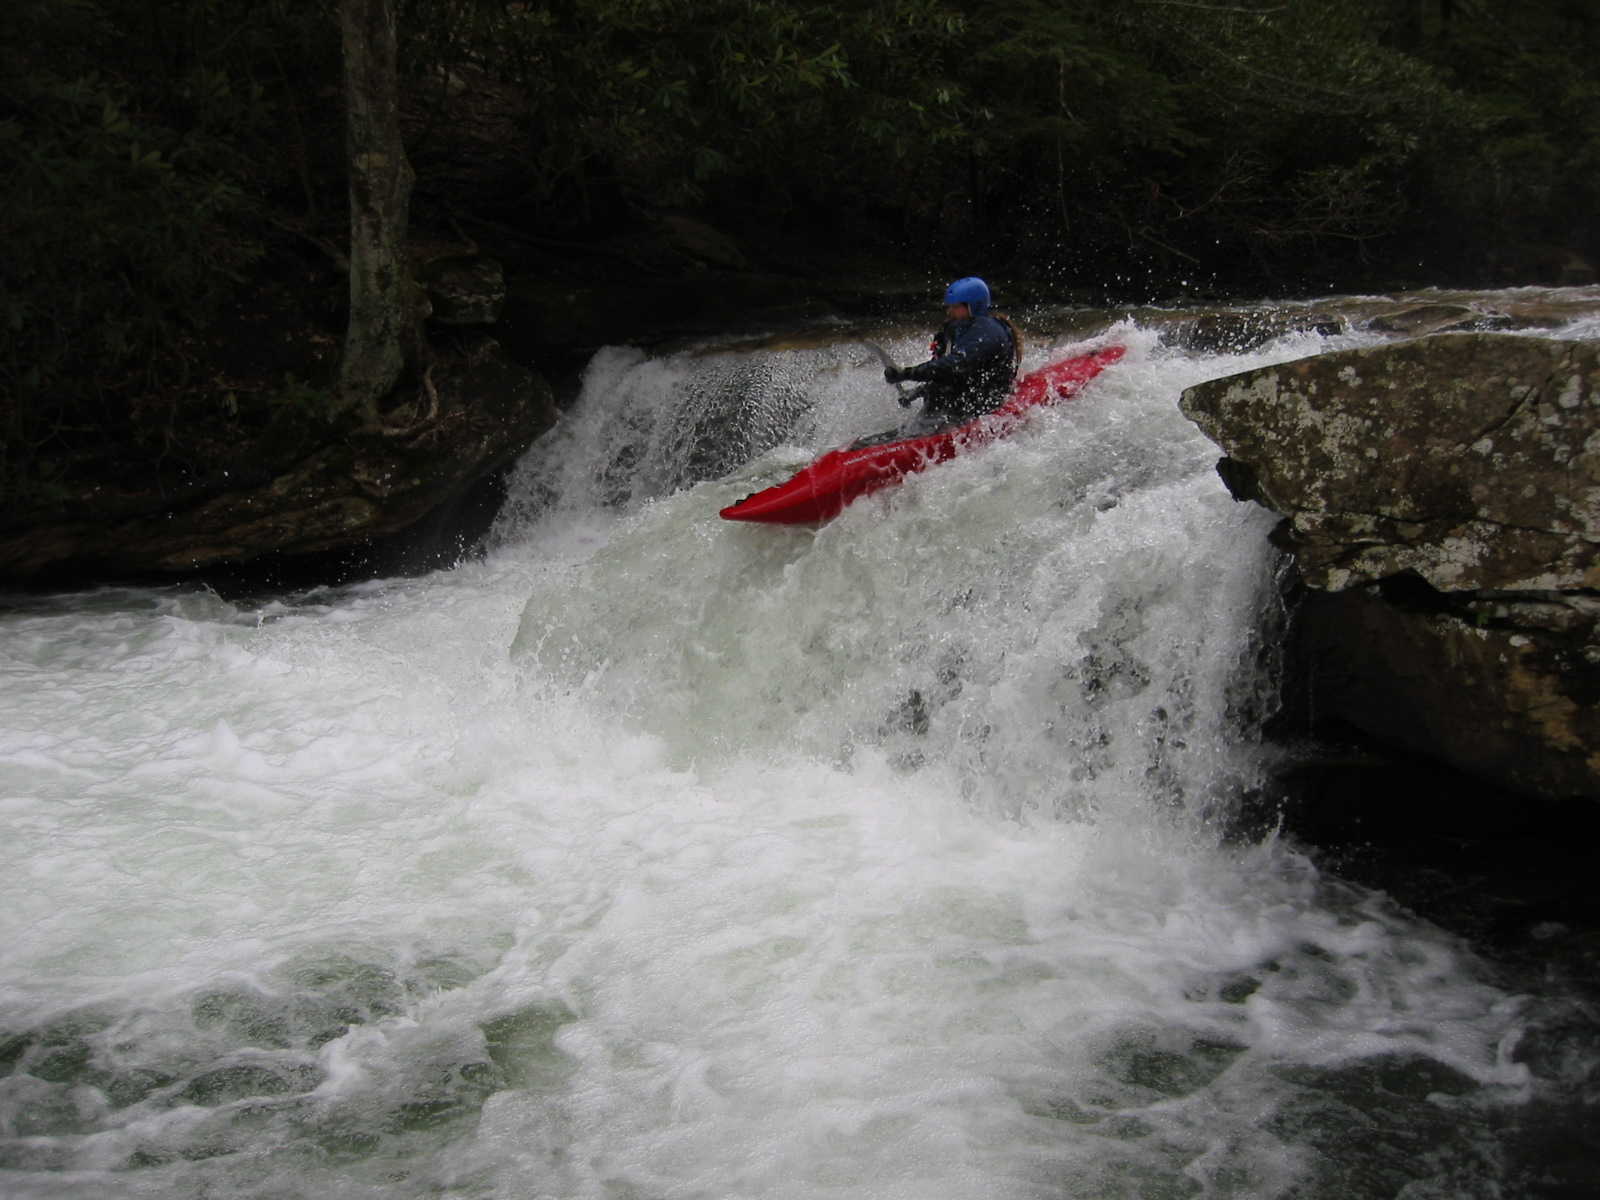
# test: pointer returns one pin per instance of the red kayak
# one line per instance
(821, 491)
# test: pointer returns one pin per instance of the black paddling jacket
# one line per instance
(971, 371)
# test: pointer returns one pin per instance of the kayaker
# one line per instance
(974, 362)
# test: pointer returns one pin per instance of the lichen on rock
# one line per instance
(1441, 500)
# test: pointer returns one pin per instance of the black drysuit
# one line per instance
(971, 371)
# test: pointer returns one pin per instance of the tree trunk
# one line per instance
(382, 309)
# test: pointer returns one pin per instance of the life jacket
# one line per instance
(941, 342)
(972, 390)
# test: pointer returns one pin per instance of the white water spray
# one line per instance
(662, 857)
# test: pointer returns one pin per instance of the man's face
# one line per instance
(957, 312)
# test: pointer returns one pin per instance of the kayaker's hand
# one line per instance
(906, 398)
(893, 375)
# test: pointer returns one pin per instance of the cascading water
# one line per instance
(660, 857)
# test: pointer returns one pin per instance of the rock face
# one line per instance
(1472, 461)
(464, 290)
(344, 491)
(1442, 500)
(1505, 688)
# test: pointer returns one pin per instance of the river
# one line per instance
(654, 857)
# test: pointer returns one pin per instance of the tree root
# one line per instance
(426, 419)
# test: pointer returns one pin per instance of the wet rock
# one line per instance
(1238, 331)
(1417, 314)
(1442, 500)
(1472, 461)
(1420, 319)
(1500, 700)
(340, 493)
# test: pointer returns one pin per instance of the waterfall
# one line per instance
(656, 856)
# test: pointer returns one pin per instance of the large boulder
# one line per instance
(1442, 500)
(1473, 461)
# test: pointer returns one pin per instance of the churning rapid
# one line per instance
(656, 857)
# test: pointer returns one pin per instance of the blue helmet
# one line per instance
(971, 291)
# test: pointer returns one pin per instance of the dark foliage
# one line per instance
(141, 171)
(166, 166)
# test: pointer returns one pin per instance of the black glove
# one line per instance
(893, 374)
(906, 398)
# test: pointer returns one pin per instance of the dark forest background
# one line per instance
(173, 172)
